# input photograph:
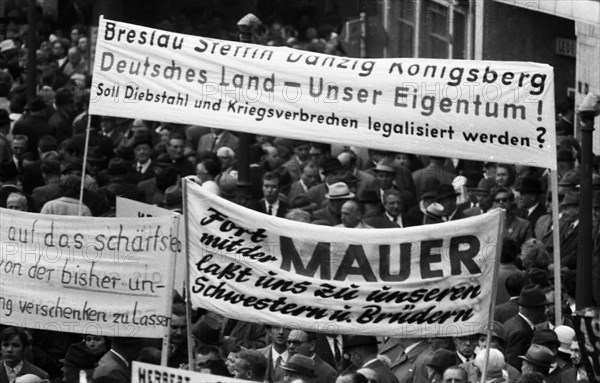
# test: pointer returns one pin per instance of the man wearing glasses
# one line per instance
(305, 343)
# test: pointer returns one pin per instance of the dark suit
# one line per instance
(112, 366)
(28, 368)
(326, 217)
(518, 339)
(381, 221)
(568, 245)
(324, 372)
(281, 211)
(383, 372)
(539, 211)
(207, 142)
(274, 373)
(412, 367)
(505, 311)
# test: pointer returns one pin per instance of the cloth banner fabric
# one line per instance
(587, 328)
(150, 373)
(482, 110)
(105, 276)
(130, 208)
(427, 281)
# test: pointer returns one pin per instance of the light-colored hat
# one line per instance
(28, 378)
(7, 45)
(339, 190)
(565, 336)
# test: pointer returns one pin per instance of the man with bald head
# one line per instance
(351, 215)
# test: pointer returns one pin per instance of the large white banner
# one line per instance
(483, 110)
(104, 276)
(433, 280)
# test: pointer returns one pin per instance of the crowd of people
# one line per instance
(42, 146)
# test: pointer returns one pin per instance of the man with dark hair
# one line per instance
(301, 155)
(178, 352)
(50, 170)
(455, 374)
(394, 214)
(507, 268)
(13, 342)
(362, 351)
(514, 284)
(175, 149)
(116, 363)
(276, 353)
(62, 118)
(309, 177)
(271, 203)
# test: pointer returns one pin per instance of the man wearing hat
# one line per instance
(443, 207)
(364, 182)
(252, 30)
(548, 338)
(120, 173)
(529, 202)
(329, 215)
(78, 358)
(299, 367)
(305, 343)
(519, 329)
(537, 359)
(333, 171)
(569, 229)
(35, 124)
(362, 351)
(565, 335)
(440, 361)
(143, 166)
(387, 179)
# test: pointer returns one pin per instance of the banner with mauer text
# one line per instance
(430, 281)
(86, 275)
(483, 110)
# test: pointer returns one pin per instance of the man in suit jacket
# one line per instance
(305, 343)
(217, 138)
(569, 230)
(519, 329)
(411, 364)
(272, 204)
(529, 199)
(393, 215)
(116, 363)
(276, 353)
(514, 284)
(362, 351)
